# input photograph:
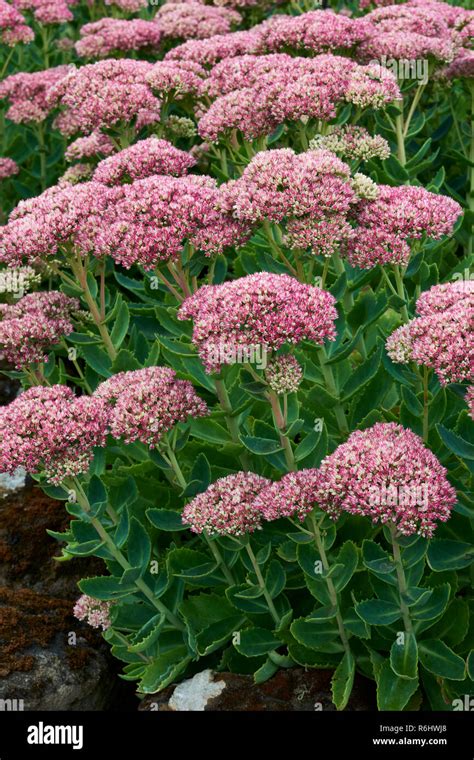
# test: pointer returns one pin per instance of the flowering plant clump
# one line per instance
(237, 300)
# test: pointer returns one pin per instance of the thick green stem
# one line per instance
(231, 420)
(329, 582)
(120, 557)
(399, 129)
(332, 388)
(220, 560)
(81, 274)
(347, 299)
(426, 425)
(401, 290)
(280, 425)
(261, 583)
(402, 583)
(170, 455)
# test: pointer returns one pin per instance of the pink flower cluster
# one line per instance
(28, 93)
(397, 215)
(110, 35)
(262, 309)
(94, 611)
(353, 143)
(303, 88)
(95, 144)
(295, 495)
(37, 227)
(220, 46)
(100, 95)
(226, 508)
(8, 168)
(155, 216)
(387, 474)
(47, 11)
(461, 67)
(146, 157)
(409, 31)
(178, 77)
(13, 28)
(31, 326)
(319, 31)
(280, 183)
(51, 431)
(442, 337)
(186, 21)
(145, 404)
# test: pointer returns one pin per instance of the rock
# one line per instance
(48, 659)
(195, 693)
(290, 690)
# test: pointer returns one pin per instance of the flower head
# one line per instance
(33, 324)
(102, 38)
(284, 374)
(263, 309)
(185, 21)
(295, 495)
(95, 144)
(94, 611)
(146, 157)
(353, 143)
(227, 506)
(13, 28)
(28, 93)
(145, 404)
(8, 168)
(386, 473)
(51, 431)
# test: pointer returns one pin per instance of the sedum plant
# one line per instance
(247, 361)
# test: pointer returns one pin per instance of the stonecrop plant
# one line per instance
(237, 289)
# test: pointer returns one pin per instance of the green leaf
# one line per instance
(362, 375)
(455, 443)
(393, 692)
(255, 642)
(433, 606)
(322, 635)
(209, 430)
(190, 564)
(348, 557)
(378, 612)
(404, 655)
(104, 587)
(444, 554)
(97, 359)
(165, 519)
(376, 559)
(260, 446)
(440, 660)
(164, 670)
(342, 681)
(275, 579)
(148, 633)
(121, 324)
(138, 546)
(211, 620)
